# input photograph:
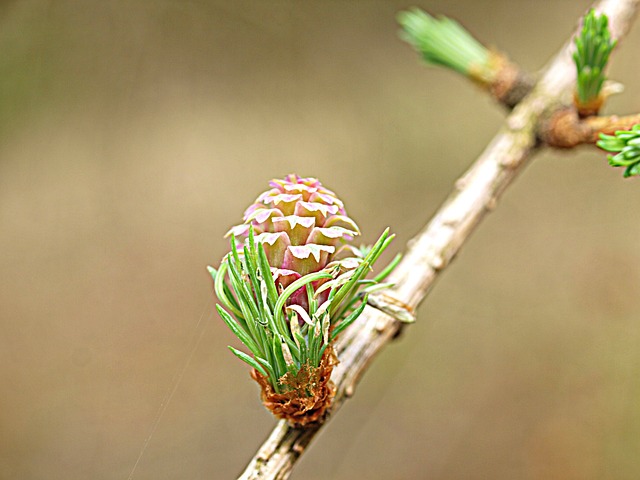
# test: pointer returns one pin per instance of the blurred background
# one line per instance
(133, 134)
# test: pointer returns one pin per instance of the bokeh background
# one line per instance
(134, 133)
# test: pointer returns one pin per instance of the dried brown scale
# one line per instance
(588, 109)
(510, 84)
(299, 405)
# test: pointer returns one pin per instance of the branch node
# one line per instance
(491, 204)
(511, 84)
(437, 262)
(461, 183)
(381, 324)
(564, 129)
(349, 391)
(516, 122)
(393, 307)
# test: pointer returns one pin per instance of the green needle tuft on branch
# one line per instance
(593, 48)
(445, 42)
(442, 41)
(626, 145)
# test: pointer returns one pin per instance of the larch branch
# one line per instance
(476, 193)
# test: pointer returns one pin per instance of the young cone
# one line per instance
(294, 284)
(303, 228)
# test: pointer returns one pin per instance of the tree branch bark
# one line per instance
(476, 193)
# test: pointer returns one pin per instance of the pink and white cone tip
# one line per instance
(304, 228)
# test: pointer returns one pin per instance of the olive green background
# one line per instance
(134, 133)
